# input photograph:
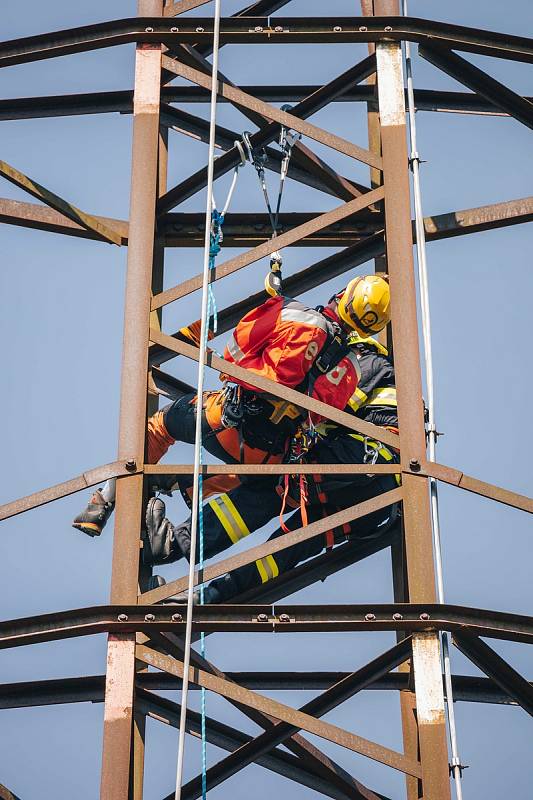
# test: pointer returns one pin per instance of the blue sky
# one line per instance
(62, 329)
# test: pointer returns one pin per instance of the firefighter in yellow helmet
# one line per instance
(364, 305)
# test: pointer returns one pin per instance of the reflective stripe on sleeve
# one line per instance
(230, 519)
(267, 568)
(295, 312)
(382, 397)
(357, 399)
(234, 350)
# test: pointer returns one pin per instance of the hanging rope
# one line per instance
(196, 500)
(456, 766)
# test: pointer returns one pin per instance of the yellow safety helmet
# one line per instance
(365, 304)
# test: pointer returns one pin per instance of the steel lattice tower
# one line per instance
(370, 222)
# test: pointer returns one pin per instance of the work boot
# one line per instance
(93, 518)
(211, 597)
(164, 542)
(191, 333)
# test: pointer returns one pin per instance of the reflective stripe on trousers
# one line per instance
(228, 516)
(267, 568)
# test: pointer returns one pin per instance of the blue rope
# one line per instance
(217, 221)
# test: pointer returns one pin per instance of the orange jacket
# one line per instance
(281, 339)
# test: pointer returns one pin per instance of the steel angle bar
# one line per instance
(264, 30)
(276, 545)
(267, 385)
(297, 234)
(229, 738)
(334, 696)
(309, 278)
(121, 101)
(289, 120)
(162, 383)
(32, 215)
(93, 476)
(266, 134)
(482, 218)
(87, 221)
(90, 688)
(282, 712)
(66, 105)
(493, 665)
(274, 469)
(149, 619)
(457, 478)
(476, 79)
(248, 229)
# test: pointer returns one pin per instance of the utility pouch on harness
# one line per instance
(333, 351)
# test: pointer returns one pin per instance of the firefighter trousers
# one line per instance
(177, 422)
(232, 516)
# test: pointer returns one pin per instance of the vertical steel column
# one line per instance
(416, 509)
(118, 713)
(139, 721)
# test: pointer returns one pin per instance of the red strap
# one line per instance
(303, 499)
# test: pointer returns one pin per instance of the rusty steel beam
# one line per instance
(93, 224)
(493, 665)
(416, 514)
(291, 30)
(273, 469)
(476, 79)
(116, 469)
(325, 730)
(149, 619)
(90, 688)
(31, 215)
(122, 101)
(297, 234)
(120, 753)
(457, 478)
(245, 229)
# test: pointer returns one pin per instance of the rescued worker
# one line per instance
(232, 516)
(284, 340)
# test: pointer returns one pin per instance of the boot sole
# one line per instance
(88, 527)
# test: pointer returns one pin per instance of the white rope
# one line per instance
(199, 402)
(432, 430)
